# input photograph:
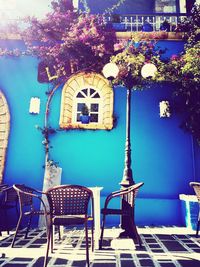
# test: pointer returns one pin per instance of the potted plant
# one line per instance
(117, 23)
(165, 26)
(147, 27)
(85, 117)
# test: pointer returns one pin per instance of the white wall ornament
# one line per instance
(34, 107)
(164, 109)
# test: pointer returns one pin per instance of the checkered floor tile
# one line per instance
(162, 247)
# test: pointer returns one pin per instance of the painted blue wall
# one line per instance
(162, 154)
(128, 7)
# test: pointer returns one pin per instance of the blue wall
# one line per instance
(128, 7)
(162, 154)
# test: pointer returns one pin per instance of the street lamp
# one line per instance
(111, 71)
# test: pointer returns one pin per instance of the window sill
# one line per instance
(89, 126)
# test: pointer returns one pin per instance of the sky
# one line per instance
(14, 9)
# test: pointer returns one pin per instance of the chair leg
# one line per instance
(28, 226)
(5, 220)
(48, 244)
(87, 246)
(198, 225)
(16, 231)
(59, 233)
(52, 237)
(47, 224)
(92, 238)
(102, 231)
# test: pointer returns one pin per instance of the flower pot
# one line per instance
(147, 27)
(165, 28)
(85, 119)
(119, 27)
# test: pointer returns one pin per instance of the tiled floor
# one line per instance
(162, 247)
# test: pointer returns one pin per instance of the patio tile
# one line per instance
(162, 247)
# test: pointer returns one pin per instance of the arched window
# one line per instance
(89, 90)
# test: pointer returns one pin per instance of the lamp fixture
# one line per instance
(110, 71)
(148, 70)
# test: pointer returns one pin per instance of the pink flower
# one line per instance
(174, 57)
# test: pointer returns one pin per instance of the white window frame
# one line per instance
(88, 100)
(69, 100)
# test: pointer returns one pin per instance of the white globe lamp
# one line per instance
(110, 70)
(148, 70)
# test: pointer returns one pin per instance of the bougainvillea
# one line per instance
(191, 26)
(66, 41)
(132, 57)
(185, 71)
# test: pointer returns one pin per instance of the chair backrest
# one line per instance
(196, 187)
(130, 193)
(24, 199)
(10, 195)
(69, 199)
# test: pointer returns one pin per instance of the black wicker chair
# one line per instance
(69, 206)
(9, 200)
(27, 206)
(196, 187)
(129, 195)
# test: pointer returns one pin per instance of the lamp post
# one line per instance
(111, 71)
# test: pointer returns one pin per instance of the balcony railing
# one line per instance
(136, 22)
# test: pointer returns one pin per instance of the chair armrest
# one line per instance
(33, 195)
(122, 192)
(114, 195)
(40, 192)
(194, 183)
(5, 189)
(92, 206)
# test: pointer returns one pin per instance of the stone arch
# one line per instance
(4, 132)
(78, 82)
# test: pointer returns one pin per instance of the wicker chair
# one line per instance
(69, 206)
(9, 200)
(196, 187)
(129, 195)
(28, 199)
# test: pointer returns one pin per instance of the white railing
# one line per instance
(135, 22)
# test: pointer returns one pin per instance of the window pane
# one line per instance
(91, 91)
(166, 6)
(96, 95)
(80, 95)
(78, 117)
(94, 107)
(85, 91)
(93, 117)
(80, 106)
